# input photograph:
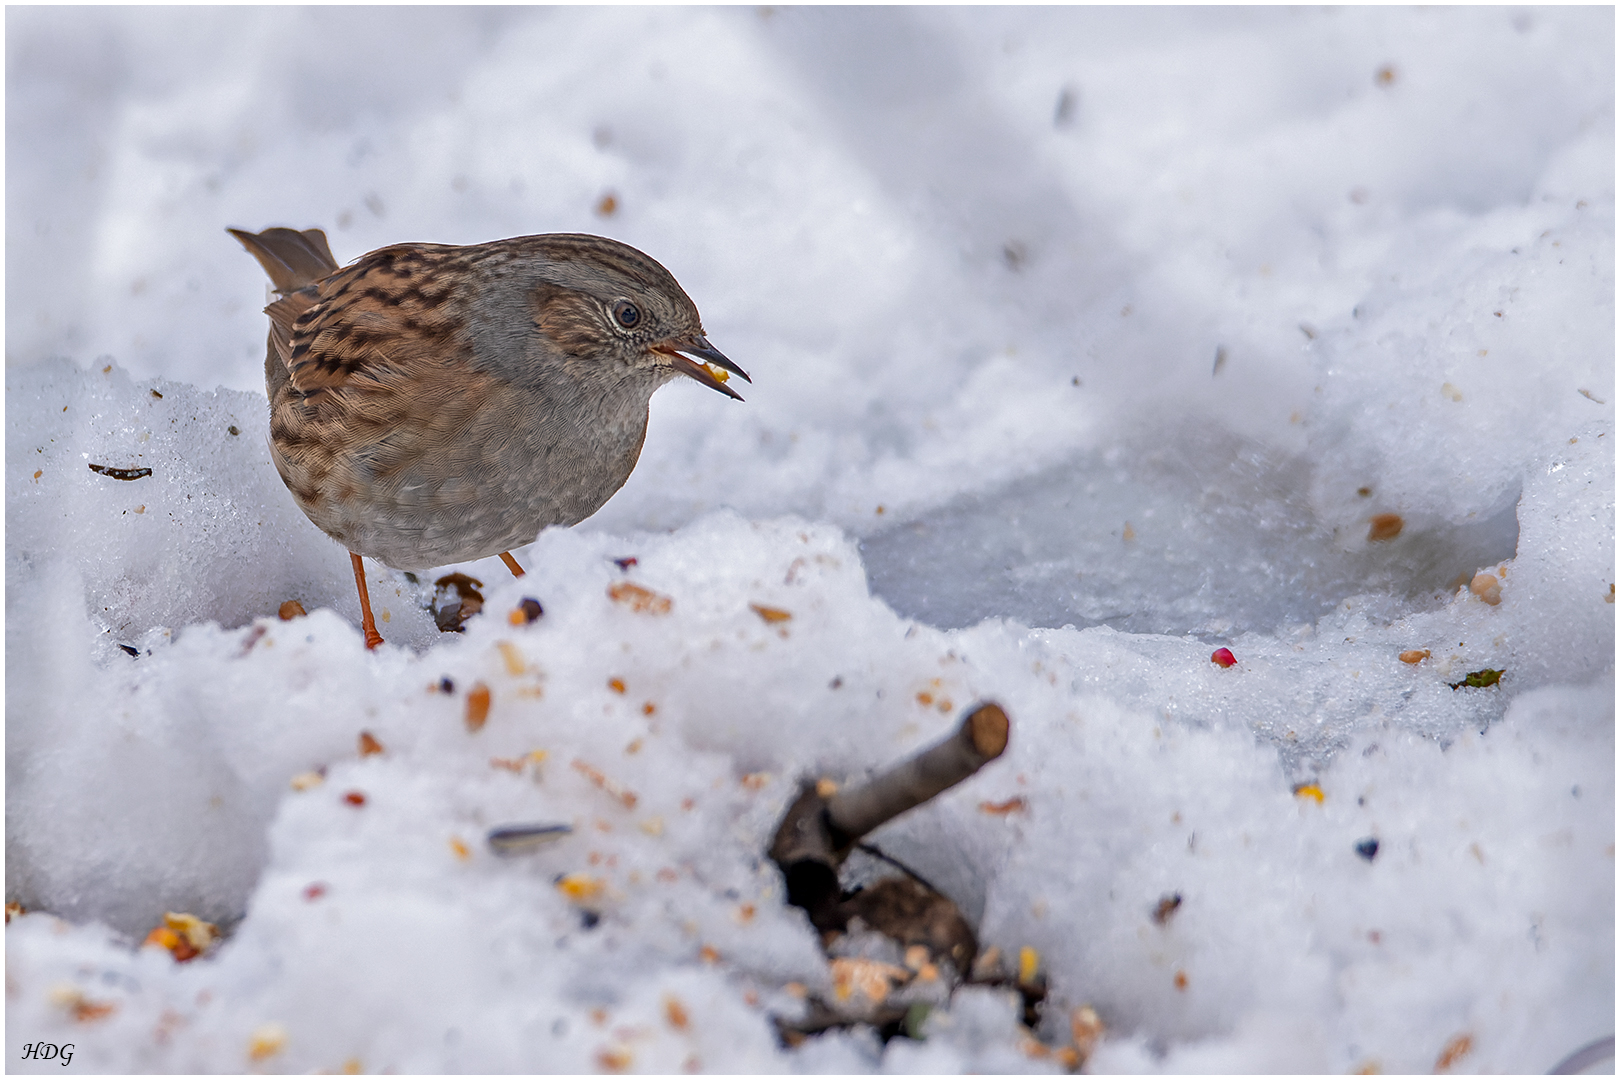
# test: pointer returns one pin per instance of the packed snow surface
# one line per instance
(1085, 342)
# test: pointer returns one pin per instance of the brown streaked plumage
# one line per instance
(433, 404)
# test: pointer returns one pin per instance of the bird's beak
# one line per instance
(698, 346)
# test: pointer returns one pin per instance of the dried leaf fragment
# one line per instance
(675, 1013)
(477, 706)
(1167, 906)
(1414, 656)
(290, 610)
(369, 744)
(1480, 679)
(638, 599)
(1002, 809)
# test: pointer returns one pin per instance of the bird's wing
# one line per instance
(362, 326)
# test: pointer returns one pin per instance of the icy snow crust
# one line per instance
(1084, 341)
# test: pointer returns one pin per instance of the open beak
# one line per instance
(698, 346)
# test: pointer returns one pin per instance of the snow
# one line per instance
(1084, 341)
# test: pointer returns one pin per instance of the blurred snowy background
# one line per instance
(1083, 341)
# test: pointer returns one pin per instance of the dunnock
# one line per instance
(433, 404)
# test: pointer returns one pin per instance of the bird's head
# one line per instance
(603, 302)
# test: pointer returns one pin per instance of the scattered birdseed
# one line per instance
(522, 839)
(1382, 527)
(119, 474)
(477, 706)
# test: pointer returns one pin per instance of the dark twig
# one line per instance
(817, 833)
(878, 853)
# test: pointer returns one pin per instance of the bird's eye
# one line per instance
(626, 314)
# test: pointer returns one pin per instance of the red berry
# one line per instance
(1223, 657)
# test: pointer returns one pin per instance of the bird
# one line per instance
(432, 403)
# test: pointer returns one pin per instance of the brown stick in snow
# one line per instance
(817, 833)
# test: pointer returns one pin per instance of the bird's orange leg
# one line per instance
(367, 623)
(511, 564)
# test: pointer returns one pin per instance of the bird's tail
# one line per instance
(293, 259)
